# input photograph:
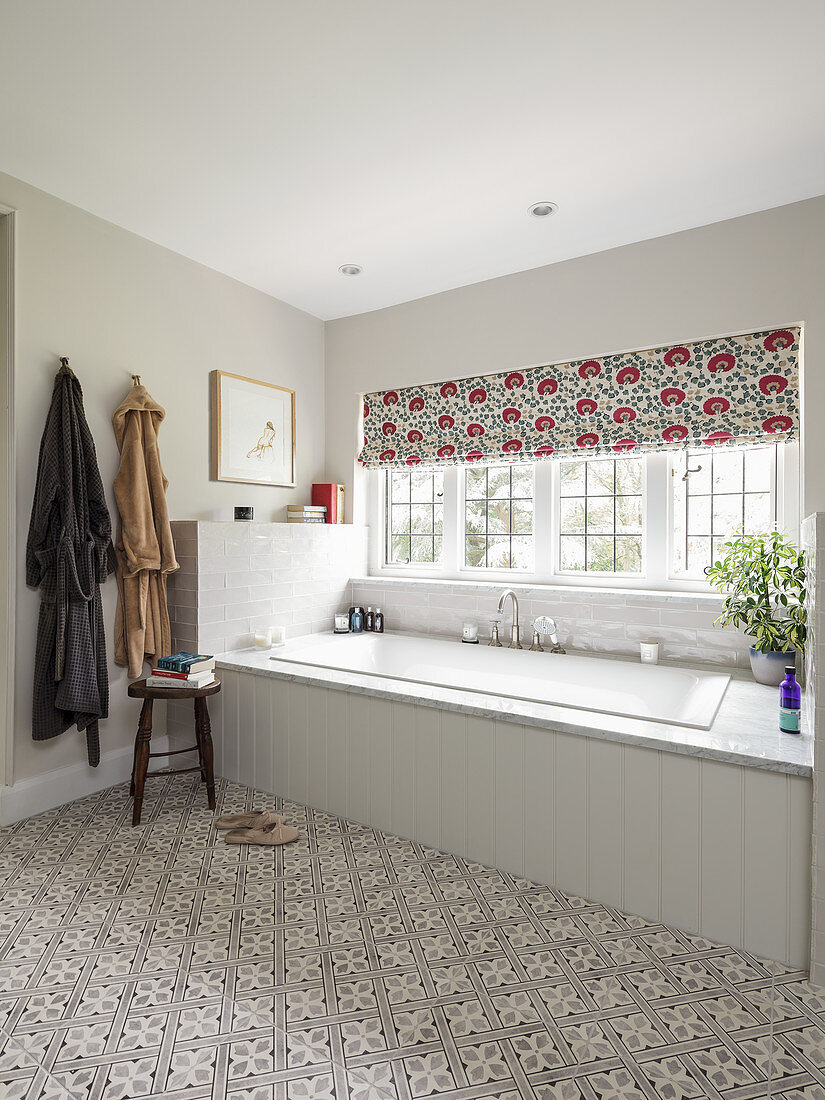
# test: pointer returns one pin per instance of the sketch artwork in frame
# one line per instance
(253, 431)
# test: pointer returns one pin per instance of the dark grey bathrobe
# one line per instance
(68, 554)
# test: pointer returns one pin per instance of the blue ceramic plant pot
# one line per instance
(769, 668)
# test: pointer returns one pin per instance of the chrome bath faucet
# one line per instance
(515, 633)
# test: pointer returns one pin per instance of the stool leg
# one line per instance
(203, 733)
(134, 765)
(144, 736)
(199, 745)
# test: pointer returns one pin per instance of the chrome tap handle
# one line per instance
(494, 640)
(536, 647)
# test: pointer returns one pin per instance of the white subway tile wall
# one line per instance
(601, 621)
(238, 577)
(813, 543)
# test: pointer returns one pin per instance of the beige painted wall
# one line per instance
(117, 304)
(747, 273)
(6, 612)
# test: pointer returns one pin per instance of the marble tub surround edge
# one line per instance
(744, 732)
(599, 620)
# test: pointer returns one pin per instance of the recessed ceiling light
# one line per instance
(543, 209)
(350, 269)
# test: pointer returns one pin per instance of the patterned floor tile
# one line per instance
(354, 965)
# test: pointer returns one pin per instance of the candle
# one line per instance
(649, 652)
(278, 635)
(263, 638)
(469, 632)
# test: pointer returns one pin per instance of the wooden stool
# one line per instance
(203, 739)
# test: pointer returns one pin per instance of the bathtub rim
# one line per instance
(745, 730)
(711, 684)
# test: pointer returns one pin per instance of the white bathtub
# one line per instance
(684, 697)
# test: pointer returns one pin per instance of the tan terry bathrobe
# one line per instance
(144, 548)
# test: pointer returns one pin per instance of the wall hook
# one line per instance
(135, 379)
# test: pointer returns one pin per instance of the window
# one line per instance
(624, 521)
(717, 494)
(600, 515)
(415, 517)
(498, 517)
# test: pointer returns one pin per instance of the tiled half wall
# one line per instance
(235, 578)
(605, 621)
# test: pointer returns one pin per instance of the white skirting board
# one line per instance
(713, 848)
(54, 788)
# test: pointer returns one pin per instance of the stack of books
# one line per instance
(183, 670)
(330, 497)
(306, 513)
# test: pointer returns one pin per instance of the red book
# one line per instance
(332, 497)
(171, 675)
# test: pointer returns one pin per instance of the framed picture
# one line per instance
(253, 431)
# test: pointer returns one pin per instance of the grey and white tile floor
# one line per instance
(161, 962)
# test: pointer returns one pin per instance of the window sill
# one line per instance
(672, 597)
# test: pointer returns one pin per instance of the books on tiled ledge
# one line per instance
(306, 513)
(183, 670)
(330, 497)
(327, 506)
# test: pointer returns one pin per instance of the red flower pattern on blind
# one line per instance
(728, 391)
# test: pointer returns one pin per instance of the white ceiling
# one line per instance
(277, 139)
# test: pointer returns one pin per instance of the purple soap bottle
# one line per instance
(790, 702)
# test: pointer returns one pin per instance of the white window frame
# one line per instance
(681, 518)
(385, 531)
(482, 572)
(658, 530)
(556, 528)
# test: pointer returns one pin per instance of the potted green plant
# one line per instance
(762, 579)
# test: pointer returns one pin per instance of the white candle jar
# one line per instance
(649, 652)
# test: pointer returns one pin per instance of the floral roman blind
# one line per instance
(731, 390)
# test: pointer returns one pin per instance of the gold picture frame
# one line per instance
(253, 431)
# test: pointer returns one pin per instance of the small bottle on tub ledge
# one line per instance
(790, 702)
(378, 626)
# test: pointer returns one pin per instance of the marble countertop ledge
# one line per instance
(745, 730)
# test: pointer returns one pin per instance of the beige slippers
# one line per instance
(257, 827)
(256, 819)
(273, 833)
